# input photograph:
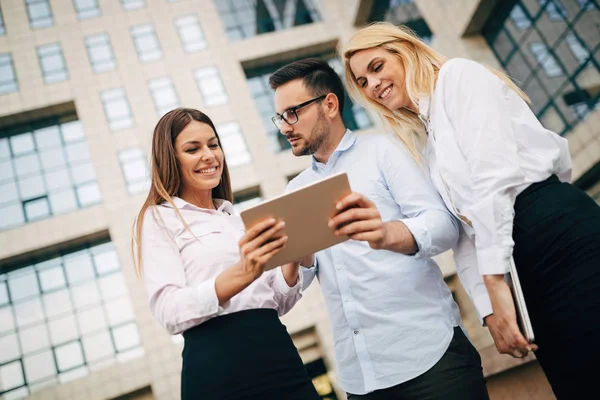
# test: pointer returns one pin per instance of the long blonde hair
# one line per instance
(422, 65)
(166, 178)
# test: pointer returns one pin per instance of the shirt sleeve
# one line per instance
(465, 258)
(285, 296)
(479, 105)
(433, 227)
(173, 304)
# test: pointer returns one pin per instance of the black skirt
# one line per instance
(557, 254)
(244, 355)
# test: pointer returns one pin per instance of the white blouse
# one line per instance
(485, 146)
(180, 267)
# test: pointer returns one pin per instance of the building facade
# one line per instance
(82, 84)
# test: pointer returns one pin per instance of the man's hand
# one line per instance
(503, 322)
(359, 219)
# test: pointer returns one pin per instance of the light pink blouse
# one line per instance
(179, 270)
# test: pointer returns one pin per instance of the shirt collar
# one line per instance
(222, 205)
(424, 107)
(347, 141)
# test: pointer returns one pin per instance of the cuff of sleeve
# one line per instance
(483, 305)
(281, 285)
(207, 299)
(493, 261)
(420, 234)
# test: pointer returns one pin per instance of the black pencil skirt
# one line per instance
(244, 355)
(557, 254)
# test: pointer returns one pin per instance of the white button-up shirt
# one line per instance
(484, 147)
(180, 266)
(392, 314)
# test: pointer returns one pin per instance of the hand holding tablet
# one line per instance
(306, 213)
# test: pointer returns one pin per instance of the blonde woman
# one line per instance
(205, 277)
(506, 178)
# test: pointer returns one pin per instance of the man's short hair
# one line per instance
(318, 77)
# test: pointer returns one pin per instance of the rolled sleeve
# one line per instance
(423, 211)
(421, 236)
(493, 260)
(308, 274)
(465, 258)
(281, 286)
(208, 301)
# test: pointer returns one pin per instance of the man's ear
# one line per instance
(332, 105)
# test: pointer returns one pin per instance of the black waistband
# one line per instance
(260, 318)
(553, 179)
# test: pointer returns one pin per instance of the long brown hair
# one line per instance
(166, 176)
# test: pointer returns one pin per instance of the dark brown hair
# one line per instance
(318, 77)
(166, 176)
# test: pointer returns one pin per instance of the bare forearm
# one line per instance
(399, 239)
(290, 273)
(231, 282)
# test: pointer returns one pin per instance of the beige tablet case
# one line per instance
(306, 212)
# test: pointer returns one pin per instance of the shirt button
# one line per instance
(338, 267)
(355, 332)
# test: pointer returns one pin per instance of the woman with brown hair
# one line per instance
(205, 277)
(506, 178)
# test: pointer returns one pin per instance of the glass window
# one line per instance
(246, 199)
(211, 86)
(556, 11)
(133, 4)
(146, 42)
(52, 62)
(245, 18)
(44, 168)
(355, 117)
(164, 95)
(519, 18)
(234, 144)
(2, 27)
(11, 376)
(190, 33)
(546, 59)
(86, 9)
(401, 12)
(59, 332)
(100, 52)
(135, 170)
(579, 51)
(116, 109)
(8, 76)
(586, 4)
(40, 13)
(554, 61)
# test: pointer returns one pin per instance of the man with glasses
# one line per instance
(396, 327)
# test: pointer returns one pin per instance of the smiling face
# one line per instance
(310, 132)
(381, 77)
(200, 158)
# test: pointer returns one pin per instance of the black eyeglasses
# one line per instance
(290, 116)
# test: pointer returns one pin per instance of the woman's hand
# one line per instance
(503, 322)
(258, 245)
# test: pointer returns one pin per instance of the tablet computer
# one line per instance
(512, 278)
(306, 212)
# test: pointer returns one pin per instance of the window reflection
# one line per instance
(61, 318)
(69, 356)
(35, 165)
